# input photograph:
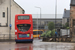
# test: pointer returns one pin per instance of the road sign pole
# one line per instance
(10, 22)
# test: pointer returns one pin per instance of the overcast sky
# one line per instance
(47, 6)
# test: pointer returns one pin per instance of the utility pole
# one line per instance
(40, 16)
(37, 25)
(55, 16)
(55, 12)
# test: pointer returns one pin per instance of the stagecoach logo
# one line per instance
(23, 32)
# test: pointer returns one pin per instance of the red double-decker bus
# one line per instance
(23, 28)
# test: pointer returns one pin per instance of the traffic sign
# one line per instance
(10, 25)
(46, 27)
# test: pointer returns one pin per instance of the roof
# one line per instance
(19, 6)
(47, 16)
(72, 3)
(66, 14)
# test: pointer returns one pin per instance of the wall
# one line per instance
(72, 27)
(15, 9)
(64, 20)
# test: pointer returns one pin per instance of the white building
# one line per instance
(66, 16)
(5, 15)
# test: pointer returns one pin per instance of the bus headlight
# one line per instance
(31, 36)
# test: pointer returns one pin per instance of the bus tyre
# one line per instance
(31, 41)
(17, 42)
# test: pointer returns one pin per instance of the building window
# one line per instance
(68, 20)
(73, 22)
(0, 24)
(6, 24)
(3, 14)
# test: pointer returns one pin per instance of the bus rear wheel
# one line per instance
(31, 41)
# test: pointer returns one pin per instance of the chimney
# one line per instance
(65, 10)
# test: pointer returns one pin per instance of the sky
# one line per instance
(47, 6)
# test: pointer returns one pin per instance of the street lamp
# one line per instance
(40, 15)
(37, 25)
(55, 12)
(55, 16)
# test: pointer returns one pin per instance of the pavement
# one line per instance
(37, 45)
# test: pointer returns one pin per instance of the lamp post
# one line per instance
(55, 12)
(55, 16)
(37, 25)
(40, 16)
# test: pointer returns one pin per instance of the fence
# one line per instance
(63, 36)
(65, 32)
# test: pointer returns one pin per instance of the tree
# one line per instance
(51, 25)
(66, 25)
(53, 33)
(50, 32)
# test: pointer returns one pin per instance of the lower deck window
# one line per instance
(24, 27)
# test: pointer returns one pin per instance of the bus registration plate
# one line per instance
(23, 35)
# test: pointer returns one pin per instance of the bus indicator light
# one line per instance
(15, 30)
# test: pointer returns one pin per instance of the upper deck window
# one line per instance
(23, 17)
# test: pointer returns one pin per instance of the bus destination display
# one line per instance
(23, 17)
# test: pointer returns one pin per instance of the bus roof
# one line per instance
(22, 14)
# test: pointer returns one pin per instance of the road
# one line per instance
(37, 45)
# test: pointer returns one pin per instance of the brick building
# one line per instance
(72, 19)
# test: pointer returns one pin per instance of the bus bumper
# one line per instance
(24, 40)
